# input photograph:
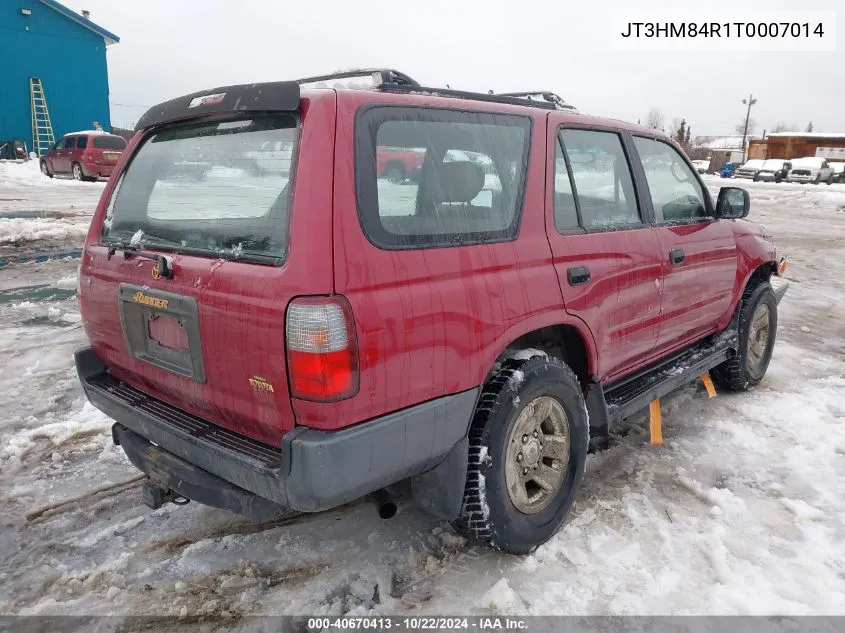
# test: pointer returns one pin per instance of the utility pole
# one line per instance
(749, 102)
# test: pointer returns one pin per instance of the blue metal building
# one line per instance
(67, 51)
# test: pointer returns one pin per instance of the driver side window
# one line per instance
(675, 191)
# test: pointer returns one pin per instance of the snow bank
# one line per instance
(19, 230)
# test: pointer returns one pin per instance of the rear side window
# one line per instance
(427, 177)
(109, 142)
(81, 142)
(218, 188)
(676, 194)
(602, 178)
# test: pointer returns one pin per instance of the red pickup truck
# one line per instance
(270, 341)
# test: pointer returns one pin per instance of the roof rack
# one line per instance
(461, 94)
(545, 95)
(388, 76)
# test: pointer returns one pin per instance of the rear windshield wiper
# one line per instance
(165, 266)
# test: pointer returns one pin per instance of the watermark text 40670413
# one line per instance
(717, 29)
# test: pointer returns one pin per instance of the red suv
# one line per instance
(300, 337)
(83, 155)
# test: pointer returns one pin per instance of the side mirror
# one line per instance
(733, 203)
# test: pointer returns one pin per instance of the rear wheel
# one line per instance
(76, 172)
(829, 179)
(528, 450)
(45, 169)
(758, 322)
(396, 173)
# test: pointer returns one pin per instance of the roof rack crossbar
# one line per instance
(546, 95)
(475, 96)
(388, 76)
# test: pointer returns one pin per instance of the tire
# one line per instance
(76, 172)
(45, 169)
(396, 173)
(497, 434)
(747, 368)
(829, 179)
(756, 179)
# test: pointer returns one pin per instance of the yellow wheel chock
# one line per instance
(655, 421)
(708, 384)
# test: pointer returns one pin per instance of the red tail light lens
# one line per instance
(322, 349)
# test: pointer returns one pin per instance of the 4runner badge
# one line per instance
(258, 383)
(146, 300)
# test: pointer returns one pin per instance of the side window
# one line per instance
(70, 142)
(428, 177)
(81, 142)
(566, 213)
(602, 178)
(675, 191)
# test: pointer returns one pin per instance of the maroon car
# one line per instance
(84, 155)
(268, 340)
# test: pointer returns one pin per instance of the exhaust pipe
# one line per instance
(384, 504)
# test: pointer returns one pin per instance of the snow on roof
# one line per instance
(108, 36)
(839, 135)
(89, 132)
(725, 142)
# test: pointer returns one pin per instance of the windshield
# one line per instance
(753, 164)
(773, 164)
(221, 188)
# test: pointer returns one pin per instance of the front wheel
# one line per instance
(396, 174)
(45, 170)
(758, 324)
(527, 454)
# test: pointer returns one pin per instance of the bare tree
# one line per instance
(740, 127)
(655, 119)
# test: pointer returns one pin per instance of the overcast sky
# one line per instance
(174, 47)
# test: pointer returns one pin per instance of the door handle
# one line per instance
(578, 275)
(676, 255)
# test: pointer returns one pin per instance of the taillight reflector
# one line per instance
(322, 350)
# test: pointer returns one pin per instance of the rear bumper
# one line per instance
(97, 169)
(311, 471)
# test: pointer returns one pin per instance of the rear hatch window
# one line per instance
(109, 142)
(217, 189)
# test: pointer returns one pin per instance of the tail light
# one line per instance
(322, 349)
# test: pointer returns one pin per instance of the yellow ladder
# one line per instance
(42, 128)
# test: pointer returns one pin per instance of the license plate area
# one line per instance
(162, 328)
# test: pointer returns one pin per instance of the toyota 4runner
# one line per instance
(300, 336)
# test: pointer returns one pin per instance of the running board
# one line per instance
(634, 393)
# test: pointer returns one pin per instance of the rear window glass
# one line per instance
(221, 188)
(428, 177)
(109, 142)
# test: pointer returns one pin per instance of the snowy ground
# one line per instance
(741, 511)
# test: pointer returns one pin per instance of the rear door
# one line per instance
(698, 252)
(211, 339)
(606, 253)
